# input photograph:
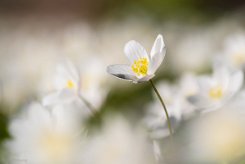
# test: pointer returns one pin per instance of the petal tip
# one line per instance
(160, 38)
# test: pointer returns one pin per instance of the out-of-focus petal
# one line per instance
(61, 97)
(236, 82)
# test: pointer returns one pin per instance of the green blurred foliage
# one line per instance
(181, 10)
(3, 126)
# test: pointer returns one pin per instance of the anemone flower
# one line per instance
(217, 89)
(142, 66)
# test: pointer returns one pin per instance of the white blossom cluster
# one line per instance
(55, 131)
(216, 99)
(54, 128)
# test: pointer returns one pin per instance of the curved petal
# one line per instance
(221, 76)
(134, 50)
(122, 71)
(157, 46)
(158, 52)
(236, 82)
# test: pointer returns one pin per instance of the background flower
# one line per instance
(119, 142)
(46, 136)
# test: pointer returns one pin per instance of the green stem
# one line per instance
(89, 106)
(164, 107)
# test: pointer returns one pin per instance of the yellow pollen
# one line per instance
(70, 84)
(140, 66)
(216, 92)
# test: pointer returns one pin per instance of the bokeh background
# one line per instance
(36, 34)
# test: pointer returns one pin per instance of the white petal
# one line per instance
(146, 78)
(236, 82)
(65, 71)
(221, 76)
(157, 46)
(158, 52)
(68, 70)
(134, 50)
(204, 82)
(122, 72)
(50, 99)
(199, 101)
(60, 97)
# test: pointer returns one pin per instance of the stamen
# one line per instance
(140, 66)
(70, 84)
(216, 92)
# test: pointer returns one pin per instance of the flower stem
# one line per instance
(164, 107)
(89, 106)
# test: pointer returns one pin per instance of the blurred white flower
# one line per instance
(238, 102)
(217, 137)
(142, 66)
(66, 85)
(118, 143)
(234, 51)
(175, 98)
(187, 86)
(93, 80)
(155, 118)
(216, 90)
(85, 87)
(46, 136)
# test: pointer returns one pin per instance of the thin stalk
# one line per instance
(164, 107)
(89, 106)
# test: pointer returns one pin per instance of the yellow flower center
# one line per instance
(70, 84)
(140, 66)
(216, 92)
(239, 58)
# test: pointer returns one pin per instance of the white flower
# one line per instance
(93, 82)
(66, 85)
(187, 86)
(217, 89)
(73, 84)
(155, 118)
(234, 51)
(45, 136)
(118, 143)
(142, 66)
(175, 98)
